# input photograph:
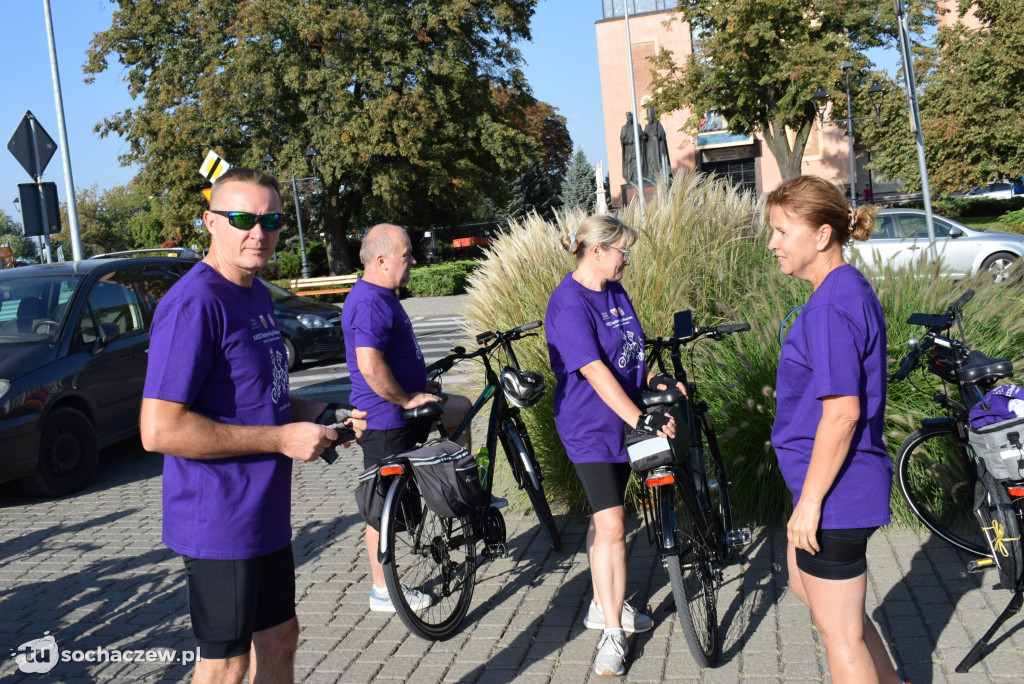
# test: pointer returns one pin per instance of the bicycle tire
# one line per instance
(527, 468)
(999, 509)
(691, 575)
(713, 492)
(432, 555)
(936, 477)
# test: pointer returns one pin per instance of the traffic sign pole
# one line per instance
(69, 183)
(39, 187)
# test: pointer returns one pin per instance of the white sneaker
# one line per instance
(632, 620)
(380, 601)
(498, 502)
(611, 654)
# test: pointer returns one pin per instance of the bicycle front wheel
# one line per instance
(691, 572)
(431, 571)
(936, 477)
(520, 455)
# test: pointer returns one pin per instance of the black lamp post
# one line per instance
(268, 164)
(875, 93)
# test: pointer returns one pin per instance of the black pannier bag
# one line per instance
(1001, 446)
(447, 477)
(370, 494)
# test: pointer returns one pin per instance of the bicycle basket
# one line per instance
(523, 388)
(1001, 447)
(447, 477)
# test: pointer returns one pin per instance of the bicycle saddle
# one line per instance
(432, 409)
(984, 369)
(669, 397)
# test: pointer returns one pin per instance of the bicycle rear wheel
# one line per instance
(692, 575)
(520, 455)
(431, 555)
(936, 477)
(998, 515)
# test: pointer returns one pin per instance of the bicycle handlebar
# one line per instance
(714, 332)
(494, 338)
(935, 324)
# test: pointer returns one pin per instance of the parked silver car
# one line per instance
(901, 238)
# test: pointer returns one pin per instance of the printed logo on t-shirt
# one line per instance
(280, 377)
(632, 351)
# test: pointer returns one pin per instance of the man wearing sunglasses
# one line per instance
(217, 404)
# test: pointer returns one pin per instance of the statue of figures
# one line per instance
(655, 154)
(629, 150)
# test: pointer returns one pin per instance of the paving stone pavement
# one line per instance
(90, 571)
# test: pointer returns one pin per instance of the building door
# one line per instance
(739, 172)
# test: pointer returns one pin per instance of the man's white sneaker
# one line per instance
(632, 620)
(380, 601)
(611, 654)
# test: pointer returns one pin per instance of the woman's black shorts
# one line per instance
(603, 483)
(843, 554)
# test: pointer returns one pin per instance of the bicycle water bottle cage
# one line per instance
(662, 398)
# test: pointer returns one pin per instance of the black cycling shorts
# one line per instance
(843, 554)
(603, 483)
(229, 600)
(379, 445)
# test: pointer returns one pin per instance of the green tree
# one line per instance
(758, 63)
(579, 186)
(971, 95)
(11, 234)
(395, 94)
(118, 218)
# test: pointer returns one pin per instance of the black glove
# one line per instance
(661, 379)
(652, 423)
(334, 417)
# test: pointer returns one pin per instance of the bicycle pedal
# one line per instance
(492, 551)
(740, 536)
(981, 564)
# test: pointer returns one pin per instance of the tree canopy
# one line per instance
(579, 190)
(971, 96)
(396, 95)
(11, 235)
(759, 62)
(118, 218)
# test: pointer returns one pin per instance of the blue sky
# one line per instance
(561, 67)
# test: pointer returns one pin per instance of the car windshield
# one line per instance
(276, 291)
(33, 309)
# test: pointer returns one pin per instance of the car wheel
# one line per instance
(999, 265)
(293, 358)
(68, 455)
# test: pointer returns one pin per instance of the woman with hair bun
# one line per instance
(596, 347)
(828, 425)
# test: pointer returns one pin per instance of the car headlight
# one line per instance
(311, 321)
(4, 386)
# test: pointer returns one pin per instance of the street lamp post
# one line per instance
(875, 93)
(268, 163)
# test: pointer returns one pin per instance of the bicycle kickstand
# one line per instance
(1012, 608)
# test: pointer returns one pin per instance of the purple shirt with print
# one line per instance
(373, 317)
(837, 347)
(216, 346)
(583, 326)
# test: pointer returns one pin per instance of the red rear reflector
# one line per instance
(663, 480)
(1015, 491)
(392, 470)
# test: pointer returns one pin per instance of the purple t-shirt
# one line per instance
(837, 347)
(373, 317)
(583, 326)
(216, 346)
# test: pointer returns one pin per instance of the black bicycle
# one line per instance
(686, 502)
(436, 556)
(936, 471)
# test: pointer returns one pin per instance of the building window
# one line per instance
(613, 9)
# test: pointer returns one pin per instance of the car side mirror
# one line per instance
(955, 233)
(108, 333)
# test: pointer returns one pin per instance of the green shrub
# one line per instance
(291, 264)
(440, 280)
(1015, 218)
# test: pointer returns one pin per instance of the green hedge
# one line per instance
(440, 280)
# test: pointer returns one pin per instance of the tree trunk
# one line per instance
(789, 158)
(336, 227)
